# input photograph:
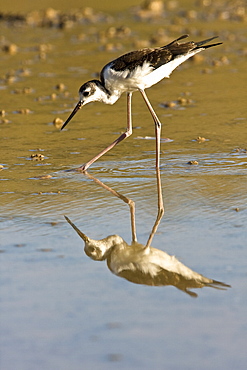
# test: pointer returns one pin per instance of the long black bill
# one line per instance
(83, 236)
(77, 107)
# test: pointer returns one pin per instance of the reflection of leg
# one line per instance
(128, 201)
(160, 209)
(157, 126)
(123, 136)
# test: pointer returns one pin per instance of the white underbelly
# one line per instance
(166, 69)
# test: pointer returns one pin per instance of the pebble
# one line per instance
(180, 101)
(4, 120)
(24, 111)
(53, 96)
(150, 9)
(169, 104)
(200, 139)
(25, 90)
(194, 163)
(60, 87)
(37, 157)
(58, 122)
(10, 49)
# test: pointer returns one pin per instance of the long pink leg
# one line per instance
(123, 136)
(160, 212)
(157, 126)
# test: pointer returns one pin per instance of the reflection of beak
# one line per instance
(83, 236)
(77, 107)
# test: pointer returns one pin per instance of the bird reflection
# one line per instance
(143, 264)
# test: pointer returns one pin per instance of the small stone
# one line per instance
(24, 111)
(195, 163)
(10, 49)
(169, 104)
(60, 87)
(53, 96)
(58, 122)
(4, 120)
(182, 101)
(201, 139)
(27, 90)
(37, 157)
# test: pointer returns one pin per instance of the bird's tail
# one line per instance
(192, 45)
(178, 39)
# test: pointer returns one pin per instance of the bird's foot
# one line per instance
(81, 168)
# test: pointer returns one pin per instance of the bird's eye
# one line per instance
(90, 250)
(85, 93)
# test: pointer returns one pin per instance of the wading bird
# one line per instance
(141, 264)
(137, 70)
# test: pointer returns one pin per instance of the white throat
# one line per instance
(102, 95)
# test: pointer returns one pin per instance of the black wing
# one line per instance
(156, 57)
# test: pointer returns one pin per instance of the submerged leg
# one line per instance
(126, 134)
(157, 126)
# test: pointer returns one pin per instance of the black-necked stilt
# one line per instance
(133, 71)
(144, 264)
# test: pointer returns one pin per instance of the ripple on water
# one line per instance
(222, 163)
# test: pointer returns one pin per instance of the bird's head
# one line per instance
(98, 250)
(89, 92)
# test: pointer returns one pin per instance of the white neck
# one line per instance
(103, 95)
(109, 97)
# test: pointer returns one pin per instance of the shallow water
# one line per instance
(59, 309)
